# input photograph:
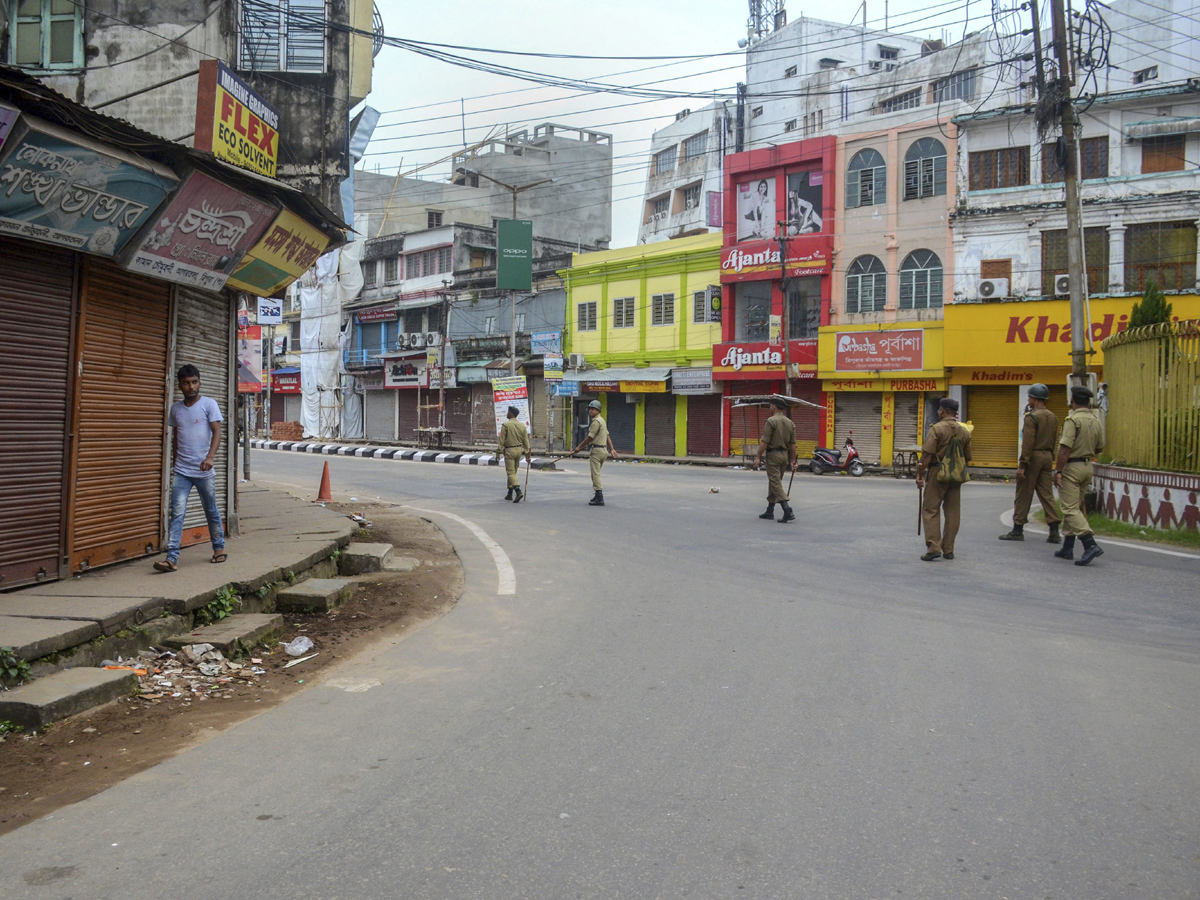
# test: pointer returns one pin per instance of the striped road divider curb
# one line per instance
(398, 453)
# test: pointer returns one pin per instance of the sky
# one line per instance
(427, 103)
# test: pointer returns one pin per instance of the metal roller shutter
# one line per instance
(704, 425)
(746, 428)
(120, 419)
(862, 414)
(291, 408)
(539, 410)
(407, 399)
(37, 291)
(908, 405)
(458, 414)
(622, 422)
(1058, 405)
(660, 424)
(379, 416)
(807, 418)
(995, 413)
(483, 415)
(203, 338)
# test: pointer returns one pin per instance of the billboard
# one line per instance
(756, 209)
(879, 351)
(250, 359)
(406, 371)
(234, 122)
(514, 254)
(805, 198)
(511, 391)
(552, 367)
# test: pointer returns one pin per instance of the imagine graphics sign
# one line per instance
(234, 122)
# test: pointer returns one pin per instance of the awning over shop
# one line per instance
(473, 372)
(418, 303)
(1160, 127)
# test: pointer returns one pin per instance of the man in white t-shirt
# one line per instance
(196, 421)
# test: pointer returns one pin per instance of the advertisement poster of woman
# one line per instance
(756, 210)
(804, 203)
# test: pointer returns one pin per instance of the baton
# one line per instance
(527, 468)
(790, 480)
(920, 506)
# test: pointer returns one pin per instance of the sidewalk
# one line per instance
(50, 624)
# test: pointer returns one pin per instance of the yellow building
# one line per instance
(641, 324)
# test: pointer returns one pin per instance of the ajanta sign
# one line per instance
(234, 122)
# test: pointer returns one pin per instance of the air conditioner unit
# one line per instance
(990, 288)
(414, 341)
(1062, 285)
(432, 339)
(576, 360)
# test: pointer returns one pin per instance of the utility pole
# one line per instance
(1076, 268)
(784, 325)
(442, 355)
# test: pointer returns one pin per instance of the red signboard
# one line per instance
(285, 382)
(376, 314)
(757, 260)
(879, 351)
(759, 359)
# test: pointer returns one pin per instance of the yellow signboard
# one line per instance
(234, 121)
(1033, 333)
(643, 387)
(287, 250)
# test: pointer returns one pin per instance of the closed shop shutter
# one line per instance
(539, 410)
(379, 418)
(746, 428)
(291, 407)
(458, 414)
(408, 414)
(862, 414)
(37, 288)
(660, 424)
(278, 408)
(704, 425)
(908, 404)
(807, 418)
(622, 422)
(483, 415)
(995, 412)
(1058, 405)
(117, 494)
(203, 338)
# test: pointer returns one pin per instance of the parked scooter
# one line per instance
(826, 460)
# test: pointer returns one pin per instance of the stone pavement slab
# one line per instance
(358, 559)
(110, 613)
(231, 633)
(314, 595)
(65, 693)
(34, 638)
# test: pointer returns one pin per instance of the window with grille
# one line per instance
(433, 218)
(691, 196)
(623, 313)
(1054, 259)
(921, 280)
(1093, 157)
(662, 309)
(996, 268)
(1163, 154)
(1143, 75)
(789, 72)
(434, 320)
(662, 207)
(925, 169)
(391, 270)
(445, 258)
(45, 34)
(889, 52)
(489, 325)
(907, 100)
(991, 169)
(1162, 252)
(959, 86)
(412, 265)
(664, 160)
(790, 125)
(585, 316)
(804, 307)
(520, 321)
(866, 285)
(701, 308)
(370, 268)
(283, 35)
(695, 146)
(866, 180)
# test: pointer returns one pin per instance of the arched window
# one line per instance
(921, 280)
(925, 169)
(866, 285)
(866, 180)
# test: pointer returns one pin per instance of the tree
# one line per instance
(1152, 309)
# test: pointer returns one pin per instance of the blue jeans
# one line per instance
(181, 487)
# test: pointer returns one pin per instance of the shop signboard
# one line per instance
(692, 381)
(433, 366)
(759, 359)
(514, 254)
(201, 237)
(714, 303)
(270, 312)
(234, 122)
(642, 387)
(757, 260)
(552, 367)
(285, 382)
(60, 188)
(843, 385)
(544, 343)
(8, 118)
(376, 314)
(288, 249)
(713, 220)
(406, 371)
(511, 391)
(601, 387)
(565, 389)
(250, 359)
(879, 351)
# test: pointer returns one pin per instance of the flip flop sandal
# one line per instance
(165, 565)
(219, 557)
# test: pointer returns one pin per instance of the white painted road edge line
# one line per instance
(507, 576)
(1006, 520)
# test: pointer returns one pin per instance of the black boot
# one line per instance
(1055, 537)
(598, 500)
(1090, 550)
(788, 515)
(1068, 548)
(770, 513)
(1017, 534)
(517, 495)
(508, 496)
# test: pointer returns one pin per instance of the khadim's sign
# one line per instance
(234, 122)
(1037, 333)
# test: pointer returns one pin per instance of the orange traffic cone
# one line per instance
(323, 493)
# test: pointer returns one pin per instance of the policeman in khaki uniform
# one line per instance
(514, 440)
(940, 497)
(779, 445)
(1082, 439)
(1035, 467)
(602, 448)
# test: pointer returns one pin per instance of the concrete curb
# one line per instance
(406, 454)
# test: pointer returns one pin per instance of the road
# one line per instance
(681, 700)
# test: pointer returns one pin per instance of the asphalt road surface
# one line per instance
(680, 700)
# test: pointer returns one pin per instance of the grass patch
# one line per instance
(1106, 527)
